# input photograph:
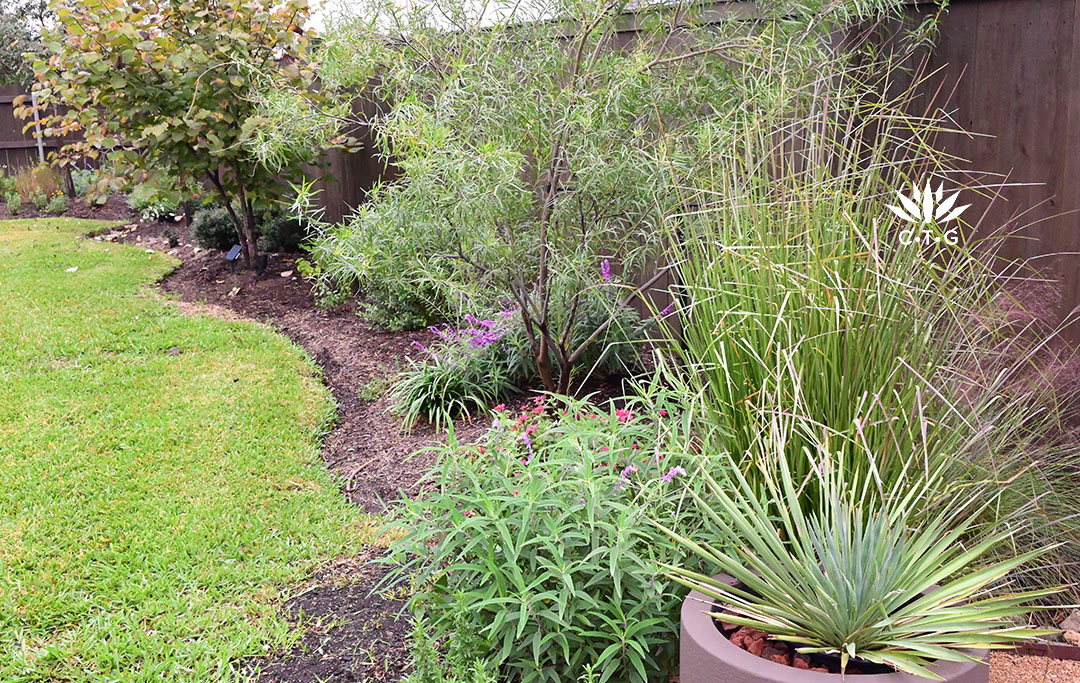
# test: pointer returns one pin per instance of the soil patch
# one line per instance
(115, 208)
(352, 634)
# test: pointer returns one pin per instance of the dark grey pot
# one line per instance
(707, 656)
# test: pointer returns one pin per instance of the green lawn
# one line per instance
(153, 506)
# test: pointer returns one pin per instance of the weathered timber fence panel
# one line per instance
(1011, 72)
(17, 149)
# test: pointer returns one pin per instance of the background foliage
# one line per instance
(164, 86)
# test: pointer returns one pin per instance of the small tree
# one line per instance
(164, 84)
(21, 22)
(537, 141)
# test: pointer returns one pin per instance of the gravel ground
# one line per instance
(1009, 668)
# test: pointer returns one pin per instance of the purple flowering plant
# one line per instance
(560, 492)
(462, 370)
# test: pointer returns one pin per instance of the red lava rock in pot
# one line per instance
(801, 662)
(727, 626)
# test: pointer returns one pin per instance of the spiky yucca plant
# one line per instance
(898, 579)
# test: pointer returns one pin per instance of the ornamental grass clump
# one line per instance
(797, 293)
(530, 549)
(464, 371)
(901, 577)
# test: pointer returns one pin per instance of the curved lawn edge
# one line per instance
(161, 472)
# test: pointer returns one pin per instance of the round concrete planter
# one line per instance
(707, 656)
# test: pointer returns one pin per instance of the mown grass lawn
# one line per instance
(153, 505)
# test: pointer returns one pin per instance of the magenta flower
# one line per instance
(605, 271)
(623, 415)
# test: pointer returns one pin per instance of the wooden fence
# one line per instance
(17, 149)
(1011, 69)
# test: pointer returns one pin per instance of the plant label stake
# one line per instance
(231, 257)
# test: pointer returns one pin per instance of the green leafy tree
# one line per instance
(21, 22)
(537, 141)
(157, 84)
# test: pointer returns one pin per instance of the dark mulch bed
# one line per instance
(115, 208)
(352, 634)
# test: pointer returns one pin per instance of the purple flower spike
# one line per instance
(667, 310)
(672, 473)
(605, 271)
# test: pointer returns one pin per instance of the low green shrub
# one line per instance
(13, 202)
(153, 201)
(430, 667)
(40, 200)
(57, 204)
(83, 179)
(535, 541)
(7, 183)
(467, 370)
(281, 232)
(213, 229)
(347, 260)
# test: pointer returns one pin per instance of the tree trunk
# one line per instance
(249, 237)
(543, 365)
(564, 377)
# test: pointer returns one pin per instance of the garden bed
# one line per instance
(351, 634)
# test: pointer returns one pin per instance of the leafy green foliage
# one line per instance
(164, 85)
(13, 202)
(892, 579)
(367, 263)
(143, 487)
(535, 151)
(57, 204)
(468, 369)
(82, 179)
(429, 666)
(534, 542)
(21, 22)
(212, 228)
(464, 373)
(281, 232)
(157, 195)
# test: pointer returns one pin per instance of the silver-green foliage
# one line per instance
(896, 577)
(535, 140)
